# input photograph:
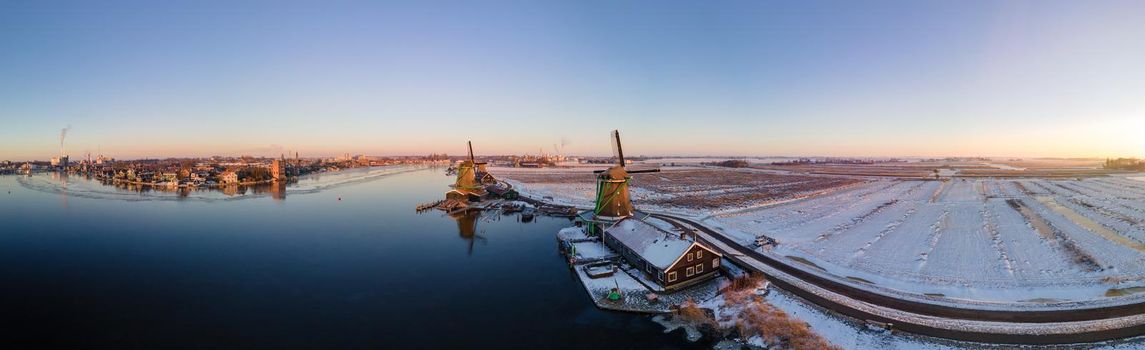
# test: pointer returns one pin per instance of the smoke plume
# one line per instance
(63, 135)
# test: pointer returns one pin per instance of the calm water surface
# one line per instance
(104, 267)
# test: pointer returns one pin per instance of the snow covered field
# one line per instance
(693, 191)
(1030, 241)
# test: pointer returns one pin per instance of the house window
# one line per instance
(699, 268)
(648, 267)
(672, 276)
(689, 256)
(699, 254)
(716, 263)
(660, 275)
(691, 271)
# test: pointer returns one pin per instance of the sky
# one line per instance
(692, 78)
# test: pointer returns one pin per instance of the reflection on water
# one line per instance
(89, 187)
(139, 268)
(278, 191)
(467, 226)
(61, 178)
(468, 223)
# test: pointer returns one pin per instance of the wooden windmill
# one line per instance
(467, 180)
(612, 199)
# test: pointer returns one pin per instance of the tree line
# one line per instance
(1133, 164)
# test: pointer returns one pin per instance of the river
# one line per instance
(336, 261)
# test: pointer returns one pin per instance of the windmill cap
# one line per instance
(616, 173)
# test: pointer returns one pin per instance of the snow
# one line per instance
(1004, 166)
(993, 242)
(902, 317)
(661, 224)
(563, 186)
(982, 243)
(571, 233)
(573, 195)
(591, 250)
(962, 241)
(850, 333)
(598, 288)
(634, 292)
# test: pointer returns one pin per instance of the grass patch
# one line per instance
(778, 329)
(756, 318)
(692, 313)
(1120, 292)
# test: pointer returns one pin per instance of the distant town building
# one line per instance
(229, 177)
(278, 170)
(61, 161)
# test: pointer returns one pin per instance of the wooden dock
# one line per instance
(428, 206)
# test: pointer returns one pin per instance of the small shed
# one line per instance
(486, 178)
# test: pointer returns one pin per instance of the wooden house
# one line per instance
(664, 257)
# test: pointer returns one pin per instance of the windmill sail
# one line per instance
(617, 149)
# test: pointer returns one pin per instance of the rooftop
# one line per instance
(658, 247)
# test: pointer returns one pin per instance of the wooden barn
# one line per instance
(672, 261)
(463, 196)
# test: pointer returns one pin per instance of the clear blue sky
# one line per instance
(900, 78)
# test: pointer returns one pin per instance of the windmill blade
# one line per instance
(641, 171)
(470, 150)
(631, 171)
(617, 148)
(612, 142)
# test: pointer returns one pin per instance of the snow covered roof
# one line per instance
(571, 233)
(660, 248)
